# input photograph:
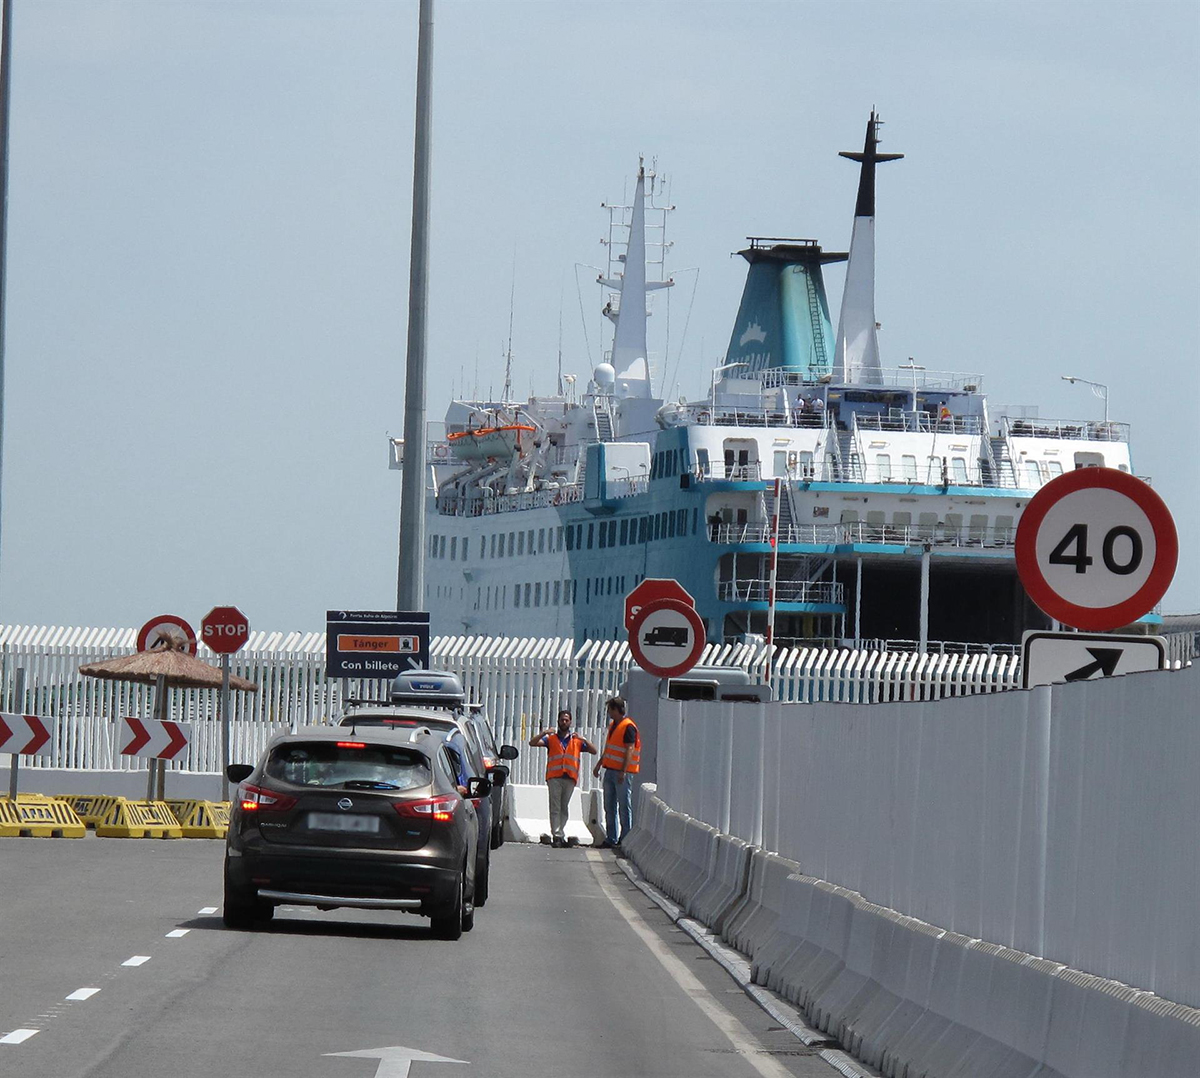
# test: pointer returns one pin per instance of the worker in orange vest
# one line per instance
(562, 773)
(621, 761)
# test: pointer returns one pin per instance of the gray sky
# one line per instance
(209, 213)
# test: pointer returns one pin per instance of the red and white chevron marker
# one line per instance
(153, 738)
(24, 735)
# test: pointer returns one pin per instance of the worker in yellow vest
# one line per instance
(562, 773)
(621, 761)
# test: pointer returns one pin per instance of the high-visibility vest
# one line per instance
(563, 761)
(614, 747)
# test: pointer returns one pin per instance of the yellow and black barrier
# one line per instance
(90, 808)
(201, 819)
(38, 816)
(139, 819)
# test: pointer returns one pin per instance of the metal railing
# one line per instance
(786, 591)
(918, 422)
(484, 504)
(705, 415)
(980, 537)
(1072, 430)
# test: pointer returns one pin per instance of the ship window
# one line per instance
(671, 525)
(541, 540)
(442, 548)
(978, 528)
(603, 535)
(1004, 531)
(529, 541)
(587, 590)
(935, 470)
(558, 537)
(1033, 473)
(557, 591)
(454, 548)
(483, 546)
(591, 535)
(908, 467)
(517, 595)
(512, 543)
(806, 463)
(883, 465)
(702, 465)
(1055, 467)
(624, 532)
(655, 524)
(926, 525)
(520, 543)
(958, 469)
(433, 546)
(570, 538)
(528, 589)
(493, 544)
(573, 587)
(695, 519)
(953, 526)
(612, 533)
(537, 594)
(654, 466)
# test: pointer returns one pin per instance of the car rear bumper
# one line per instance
(355, 881)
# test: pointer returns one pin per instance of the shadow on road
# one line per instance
(295, 926)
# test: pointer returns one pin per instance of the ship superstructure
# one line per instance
(900, 487)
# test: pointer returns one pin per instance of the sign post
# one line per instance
(14, 761)
(225, 629)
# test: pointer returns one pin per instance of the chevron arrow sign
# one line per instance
(150, 738)
(24, 735)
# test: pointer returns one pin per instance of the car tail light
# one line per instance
(351, 744)
(252, 798)
(488, 762)
(477, 802)
(440, 809)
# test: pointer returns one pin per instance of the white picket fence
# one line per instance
(522, 681)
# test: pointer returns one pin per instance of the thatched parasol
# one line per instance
(169, 660)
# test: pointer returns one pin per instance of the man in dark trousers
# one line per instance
(621, 761)
(562, 772)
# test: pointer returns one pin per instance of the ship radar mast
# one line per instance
(628, 284)
(857, 355)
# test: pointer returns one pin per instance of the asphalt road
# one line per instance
(570, 972)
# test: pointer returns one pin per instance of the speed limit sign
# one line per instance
(1096, 548)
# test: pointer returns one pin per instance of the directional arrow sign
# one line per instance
(24, 735)
(151, 738)
(394, 1062)
(1047, 658)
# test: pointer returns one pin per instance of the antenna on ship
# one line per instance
(560, 307)
(512, 299)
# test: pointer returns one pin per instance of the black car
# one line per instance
(369, 820)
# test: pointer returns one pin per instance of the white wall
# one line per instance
(1059, 821)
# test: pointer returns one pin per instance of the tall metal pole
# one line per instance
(777, 486)
(6, 95)
(410, 585)
(14, 761)
(225, 726)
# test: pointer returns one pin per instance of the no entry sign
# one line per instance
(1096, 548)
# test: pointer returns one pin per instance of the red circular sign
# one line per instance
(650, 590)
(166, 626)
(225, 629)
(667, 637)
(1096, 548)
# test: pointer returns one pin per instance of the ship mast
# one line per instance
(857, 355)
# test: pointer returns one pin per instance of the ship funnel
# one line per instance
(783, 321)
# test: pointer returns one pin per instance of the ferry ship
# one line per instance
(890, 496)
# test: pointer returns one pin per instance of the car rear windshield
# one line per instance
(327, 763)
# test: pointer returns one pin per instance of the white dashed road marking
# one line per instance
(18, 1036)
(178, 933)
(208, 909)
(83, 993)
(136, 960)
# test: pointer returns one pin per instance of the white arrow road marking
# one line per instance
(178, 933)
(136, 960)
(394, 1062)
(83, 993)
(19, 1036)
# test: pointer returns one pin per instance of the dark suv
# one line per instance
(371, 820)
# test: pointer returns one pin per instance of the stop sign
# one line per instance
(225, 629)
(650, 590)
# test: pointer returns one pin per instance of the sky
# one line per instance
(209, 213)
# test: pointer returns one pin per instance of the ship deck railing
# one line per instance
(757, 590)
(1079, 430)
(860, 532)
(477, 504)
(890, 378)
(706, 415)
(899, 420)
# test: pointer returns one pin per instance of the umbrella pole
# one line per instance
(160, 700)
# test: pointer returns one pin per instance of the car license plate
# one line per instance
(334, 821)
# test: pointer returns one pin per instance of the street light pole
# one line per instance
(5, 99)
(410, 585)
(716, 371)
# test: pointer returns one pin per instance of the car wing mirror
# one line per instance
(498, 775)
(238, 772)
(508, 752)
(478, 787)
